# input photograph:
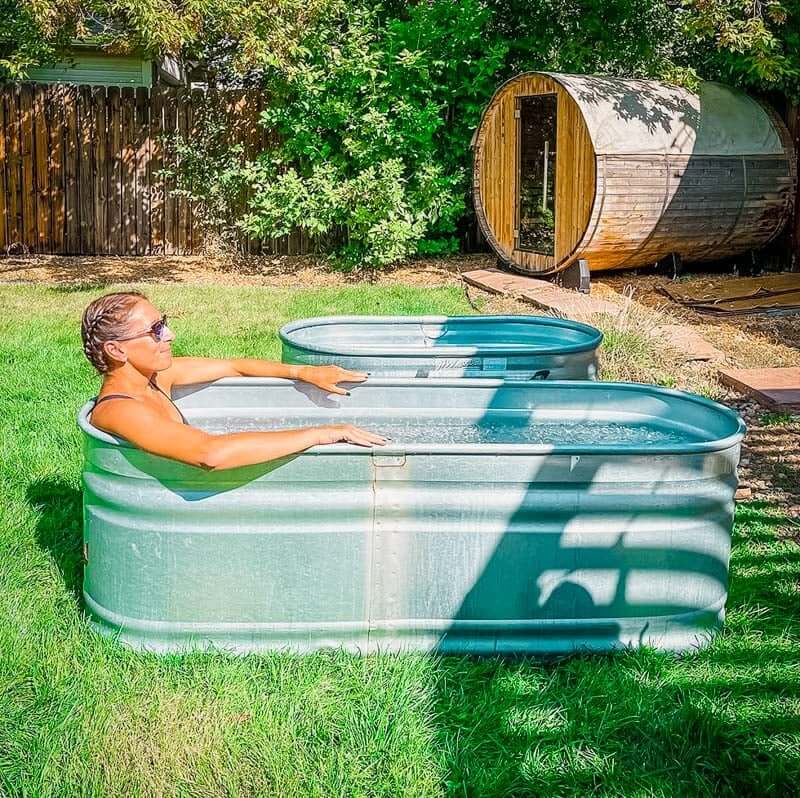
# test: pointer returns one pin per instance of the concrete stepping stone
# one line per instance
(774, 387)
(688, 342)
(575, 305)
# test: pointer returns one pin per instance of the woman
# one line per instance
(129, 342)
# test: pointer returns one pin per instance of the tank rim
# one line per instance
(593, 336)
(733, 438)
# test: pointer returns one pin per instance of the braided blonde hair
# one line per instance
(104, 320)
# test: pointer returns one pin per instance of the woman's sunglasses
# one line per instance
(158, 330)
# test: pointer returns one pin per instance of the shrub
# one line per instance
(365, 123)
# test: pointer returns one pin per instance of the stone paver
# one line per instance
(775, 387)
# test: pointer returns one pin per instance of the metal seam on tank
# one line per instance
(373, 537)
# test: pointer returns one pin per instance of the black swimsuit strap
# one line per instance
(125, 396)
(158, 388)
(112, 396)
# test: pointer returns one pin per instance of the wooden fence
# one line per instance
(80, 169)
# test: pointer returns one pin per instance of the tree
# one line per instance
(749, 43)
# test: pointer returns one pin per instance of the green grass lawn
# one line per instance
(81, 716)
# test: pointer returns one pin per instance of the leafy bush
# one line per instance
(375, 112)
(209, 171)
(367, 125)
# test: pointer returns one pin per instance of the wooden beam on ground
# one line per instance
(541, 293)
(743, 494)
(776, 388)
(574, 305)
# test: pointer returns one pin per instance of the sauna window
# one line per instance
(536, 201)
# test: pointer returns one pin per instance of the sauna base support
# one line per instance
(576, 276)
(749, 265)
(671, 266)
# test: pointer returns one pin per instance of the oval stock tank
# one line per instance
(503, 517)
(512, 347)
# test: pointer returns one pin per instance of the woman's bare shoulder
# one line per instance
(111, 406)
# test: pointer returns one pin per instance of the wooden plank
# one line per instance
(100, 146)
(142, 190)
(13, 167)
(575, 177)
(237, 110)
(773, 387)
(114, 166)
(184, 215)
(72, 238)
(128, 102)
(197, 100)
(156, 180)
(541, 293)
(41, 144)
(30, 236)
(55, 100)
(3, 184)
(688, 342)
(170, 200)
(251, 135)
(86, 168)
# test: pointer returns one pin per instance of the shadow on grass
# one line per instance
(603, 725)
(58, 528)
(721, 722)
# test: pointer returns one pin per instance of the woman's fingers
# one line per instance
(359, 441)
(372, 438)
(338, 374)
(327, 378)
(347, 433)
(362, 437)
(351, 376)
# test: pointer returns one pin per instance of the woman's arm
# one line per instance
(191, 370)
(150, 431)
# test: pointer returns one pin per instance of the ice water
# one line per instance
(518, 428)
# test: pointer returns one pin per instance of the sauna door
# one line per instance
(535, 229)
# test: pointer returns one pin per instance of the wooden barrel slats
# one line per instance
(706, 175)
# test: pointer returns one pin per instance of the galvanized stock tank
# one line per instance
(504, 517)
(516, 347)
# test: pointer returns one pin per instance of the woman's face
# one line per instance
(147, 344)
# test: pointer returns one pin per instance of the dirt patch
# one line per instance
(748, 341)
(298, 271)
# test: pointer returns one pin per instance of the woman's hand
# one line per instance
(347, 433)
(328, 377)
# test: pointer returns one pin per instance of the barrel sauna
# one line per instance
(622, 173)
